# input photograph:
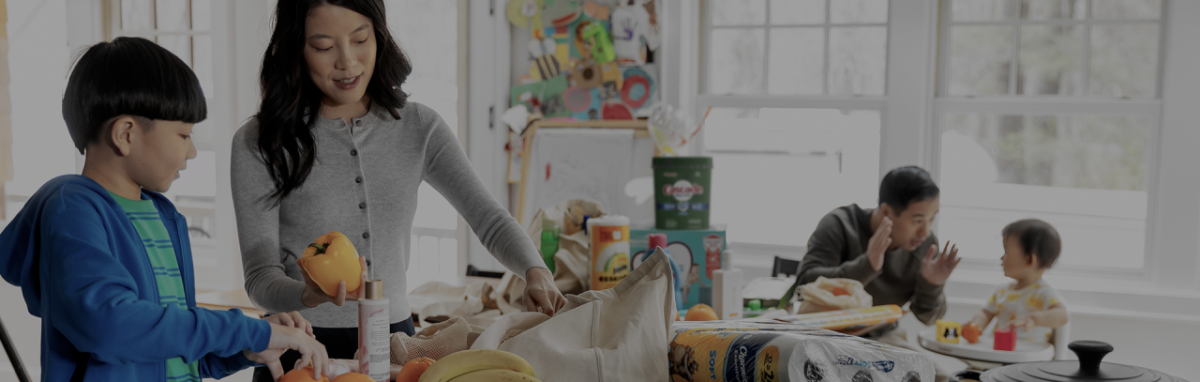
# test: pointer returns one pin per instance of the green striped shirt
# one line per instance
(157, 240)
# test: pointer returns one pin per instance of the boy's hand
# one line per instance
(291, 320)
(284, 338)
(270, 358)
(878, 245)
(313, 295)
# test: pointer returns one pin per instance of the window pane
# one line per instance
(1126, 9)
(797, 61)
(1092, 152)
(1053, 9)
(979, 60)
(857, 11)
(797, 11)
(738, 12)
(982, 10)
(202, 15)
(797, 149)
(180, 45)
(1051, 60)
(857, 60)
(1083, 174)
(137, 15)
(1124, 61)
(736, 60)
(173, 15)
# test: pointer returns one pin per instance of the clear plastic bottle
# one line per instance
(374, 340)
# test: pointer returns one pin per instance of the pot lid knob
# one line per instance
(1091, 354)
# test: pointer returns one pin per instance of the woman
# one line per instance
(336, 147)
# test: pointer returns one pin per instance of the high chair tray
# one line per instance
(983, 351)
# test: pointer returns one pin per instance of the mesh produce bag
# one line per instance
(436, 341)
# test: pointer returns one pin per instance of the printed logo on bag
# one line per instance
(768, 365)
(683, 190)
(884, 366)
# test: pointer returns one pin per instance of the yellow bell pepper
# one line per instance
(332, 259)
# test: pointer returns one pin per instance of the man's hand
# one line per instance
(879, 243)
(313, 295)
(937, 270)
(541, 294)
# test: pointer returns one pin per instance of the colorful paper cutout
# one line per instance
(544, 96)
(617, 111)
(522, 13)
(561, 12)
(638, 88)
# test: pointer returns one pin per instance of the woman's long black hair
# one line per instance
(291, 101)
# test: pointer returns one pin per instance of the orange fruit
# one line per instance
(301, 375)
(353, 377)
(701, 312)
(412, 370)
(971, 332)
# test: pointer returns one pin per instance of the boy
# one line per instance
(1029, 305)
(104, 259)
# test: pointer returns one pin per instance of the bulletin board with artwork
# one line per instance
(589, 60)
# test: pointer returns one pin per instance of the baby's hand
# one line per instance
(1023, 322)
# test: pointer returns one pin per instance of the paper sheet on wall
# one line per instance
(592, 164)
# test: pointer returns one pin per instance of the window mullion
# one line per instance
(825, 65)
(766, 66)
(1014, 60)
(1087, 50)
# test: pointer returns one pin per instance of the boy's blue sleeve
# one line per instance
(93, 299)
(213, 366)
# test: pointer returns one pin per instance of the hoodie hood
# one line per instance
(20, 240)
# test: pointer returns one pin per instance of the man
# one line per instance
(890, 250)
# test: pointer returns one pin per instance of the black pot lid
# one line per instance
(1089, 368)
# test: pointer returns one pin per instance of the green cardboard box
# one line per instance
(695, 259)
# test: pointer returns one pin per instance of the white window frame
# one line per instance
(758, 254)
(1168, 290)
(1049, 105)
(708, 26)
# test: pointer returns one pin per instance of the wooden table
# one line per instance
(237, 298)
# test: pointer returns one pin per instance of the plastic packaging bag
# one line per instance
(763, 351)
(833, 294)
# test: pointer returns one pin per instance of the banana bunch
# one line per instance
(480, 365)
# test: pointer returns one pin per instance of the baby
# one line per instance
(1028, 305)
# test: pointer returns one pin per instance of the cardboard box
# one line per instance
(695, 260)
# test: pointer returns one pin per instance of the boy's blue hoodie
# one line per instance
(83, 269)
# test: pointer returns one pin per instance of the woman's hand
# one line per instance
(284, 338)
(541, 294)
(313, 295)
